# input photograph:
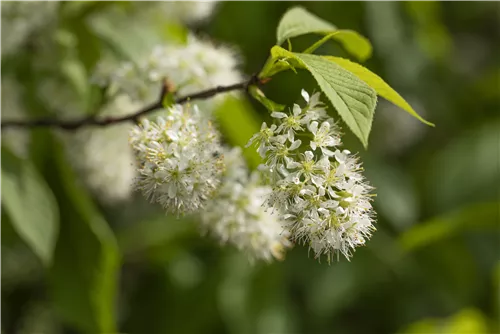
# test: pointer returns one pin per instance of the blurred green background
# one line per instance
(432, 267)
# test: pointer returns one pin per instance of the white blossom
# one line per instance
(193, 67)
(320, 192)
(237, 215)
(263, 138)
(177, 157)
(326, 136)
(20, 19)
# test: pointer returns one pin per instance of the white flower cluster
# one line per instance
(237, 214)
(196, 66)
(320, 192)
(178, 159)
(22, 18)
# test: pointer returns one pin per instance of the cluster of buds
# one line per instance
(237, 214)
(178, 158)
(316, 188)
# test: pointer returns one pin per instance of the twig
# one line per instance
(105, 121)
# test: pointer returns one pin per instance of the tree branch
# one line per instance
(94, 120)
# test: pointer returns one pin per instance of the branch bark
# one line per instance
(106, 121)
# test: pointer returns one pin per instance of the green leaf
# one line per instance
(476, 216)
(468, 320)
(353, 99)
(297, 21)
(353, 43)
(269, 104)
(238, 122)
(377, 83)
(30, 204)
(83, 279)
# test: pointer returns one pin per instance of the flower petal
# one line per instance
(296, 110)
(327, 152)
(313, 145)
(325, 127)
(309, 155)
(295, 145)
(317, 180)
(305, 95)
(277, 114)
(313, 127)
(340, 157)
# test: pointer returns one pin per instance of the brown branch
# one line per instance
(96, 121)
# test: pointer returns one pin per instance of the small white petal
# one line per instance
(296, 110)
(323, 211)
(277, 114)
(340, 157)
(317, 180)
(309, 155)
(172, 190)
(321, 191)
(331, 141)
(325, 127)
(262, 150)
(292, 164)
(280, 139)
(295, 145)
(281, 168)
(327, 152)
(305, 95)
(332, 193)
(313, 127)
